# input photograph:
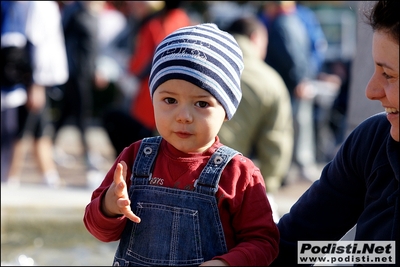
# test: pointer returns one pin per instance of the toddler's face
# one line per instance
(187, 116)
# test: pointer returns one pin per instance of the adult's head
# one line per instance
(384, 83)
(142, 9)
(272, 9)
(254, 29)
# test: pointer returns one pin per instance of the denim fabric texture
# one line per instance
(178, 227)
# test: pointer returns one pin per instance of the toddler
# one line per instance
(183, 198)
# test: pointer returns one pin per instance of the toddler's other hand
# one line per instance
(214, 263)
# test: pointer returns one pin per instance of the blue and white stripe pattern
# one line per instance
(204, 56)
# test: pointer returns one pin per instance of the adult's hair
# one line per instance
(169, 5)
(244, 25)
(384, 16)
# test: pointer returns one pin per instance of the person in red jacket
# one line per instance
(150, 35)
(154, 27)
(184, 198)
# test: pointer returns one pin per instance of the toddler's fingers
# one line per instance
(118, 173)
(131, 216)
(119, 179)
(124, 169)
(125, 209)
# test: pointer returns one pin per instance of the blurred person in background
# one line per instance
(289, 53)
(127, 126)
(121, 48)
(80, 27)
(33, 58)
(318, 41)
(109, 67)
(262, 127)
(330, 87)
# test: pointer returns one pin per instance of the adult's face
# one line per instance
(384, 83)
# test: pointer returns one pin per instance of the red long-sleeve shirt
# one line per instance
(251, 234)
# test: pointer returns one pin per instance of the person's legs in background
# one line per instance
(9, 127)
(75, 104)
(43, 150)
(304, 138)
(25, 121)
(37, 125)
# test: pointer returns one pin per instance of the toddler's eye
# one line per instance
(170, 100)
(202, 104)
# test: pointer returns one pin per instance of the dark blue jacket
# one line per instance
(288, 48)
(359, 186)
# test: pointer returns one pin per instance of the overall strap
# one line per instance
(141, 170)
(207, 183)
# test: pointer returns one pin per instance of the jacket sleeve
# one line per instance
(274, 145)
(334, 203)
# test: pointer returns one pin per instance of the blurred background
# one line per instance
(42, 224)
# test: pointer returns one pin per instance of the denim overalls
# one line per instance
(178, 227)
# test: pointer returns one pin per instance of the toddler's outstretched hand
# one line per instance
(116, 201)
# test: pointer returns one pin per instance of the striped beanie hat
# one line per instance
(205, 56)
